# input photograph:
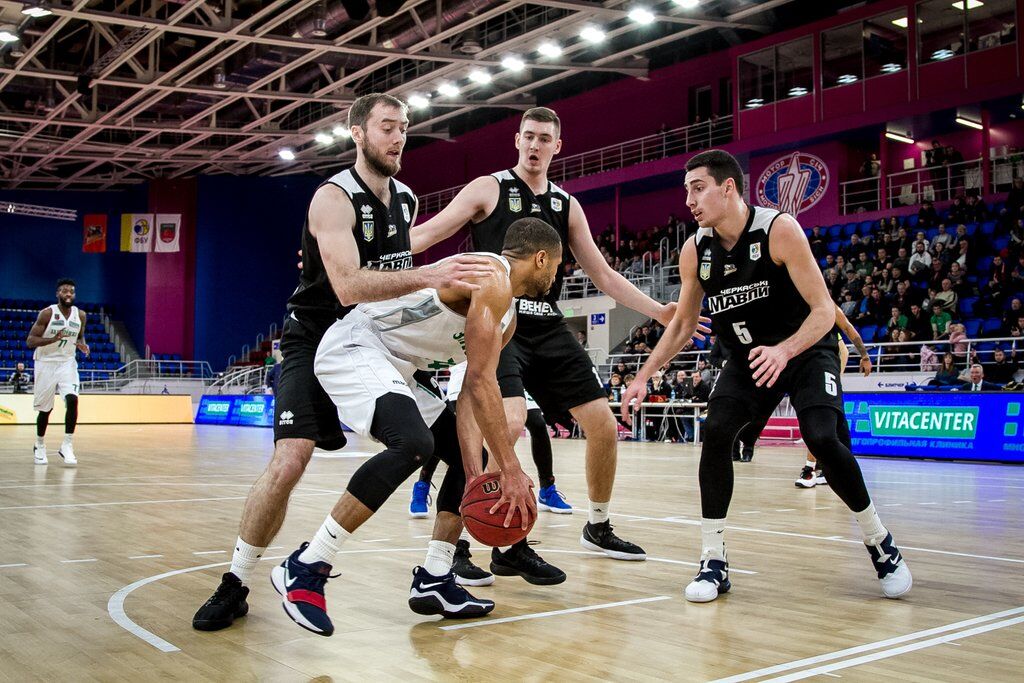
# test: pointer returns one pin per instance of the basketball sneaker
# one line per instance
(467, 573)
(442, 595)
(711, 581)
(420, 502)
(521, 560)
(807, 478)
(819, 478)
(68, 454)
(747, 452)
(39, 455)
(552, 500)
(301, 587)
(601, 538)
(892, 570)
(224, 606)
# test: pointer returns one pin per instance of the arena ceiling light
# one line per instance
(797, 91)
(480, 76)
(322, 138)
(37, 9)
(899, 138)
(417, 101)
(513, 63)
(286, 153)
(890, 68)
(341, 132)
(969, 123)
(687, 4)
(592, 34)
(550, 49)
(971, 4)
(447, 89)
(755, 102)
(944, 53)
(9, 34)
(846, 78)
(641, 15)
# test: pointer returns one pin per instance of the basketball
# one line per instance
(481, 495)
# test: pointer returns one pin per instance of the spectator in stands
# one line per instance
(1003, 368)
(975, 209)
(940, 322)
(977, 381)
(902, 260)
(862, 314)
(698, 391)
(20, 379)
(929, 358)
(927, 217)
(819, 245)
(958, 278)
(848, 305)
(884, 259)
(627, 379)
(958, 340)
(581, 337)
(897, 320)
(994, 292)
(936, 156)
(864, 265)
(886, 283)
(946, 299)
(943, 237)
(877, 306)
(903, 357)
(920, 323)
(1015, 199)
(615, 388)
(942, 255)
(920, 261)
(1017, 274)
(620, 370)
(1017, 328)
(902, 299)
(936, 274)
(853, 250)
(1010, 316)
(1017, 237)
(947, 375)
(964, 253)
(958, 211)
(871, 167)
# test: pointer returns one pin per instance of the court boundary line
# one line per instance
(554, 613)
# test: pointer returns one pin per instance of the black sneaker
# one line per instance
(431, 594)
(600, 537)
(224, 606)
(747, 453)
(521, 560)
(467, 573)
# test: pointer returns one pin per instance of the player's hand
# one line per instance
(636, 391)
(767, 362)
(457, 271)
(865, 365)
(703, 328)
(83, 347)
(667, 312)
(517, 493)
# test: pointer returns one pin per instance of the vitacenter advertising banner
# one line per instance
(938, 425)
(253, 411)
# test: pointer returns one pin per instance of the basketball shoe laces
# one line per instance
(225, 591)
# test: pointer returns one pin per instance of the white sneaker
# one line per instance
(68, 453)
(39, 454)
(711, 581)
(892, 570)
(819, 478)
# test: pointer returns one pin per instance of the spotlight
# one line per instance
(970, 124)
(286, 153)
(797, 91)
(39, 8)
(513, 63)
(417, 101)
(341, 132)
(448, 89)
(641, 15)
(755, 102)
(899, 138)
(970, 4)
(944, 53)
(687, 4)
(592, 34)
(846, 78)
(322, 138)
(550, 49)
(891, 68)
(481, 77)
(8, 34)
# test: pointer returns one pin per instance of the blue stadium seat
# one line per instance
(833, 247)
(971, 229)
(849, 229)
(983, 265)
(868, 332)
(910, 221)
(991, 327)
(967, 306)
(988, 228)
(1000, 243)
(835, 230)
(865, 227)
(930, 233)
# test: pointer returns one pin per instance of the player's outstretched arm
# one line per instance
(35, 335)
(789, 248)
(483, 398)
(331, 217)
(678, 331)
(851, 333)
(473, 202)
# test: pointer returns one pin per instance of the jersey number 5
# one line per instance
(742, 332)
(830, 384)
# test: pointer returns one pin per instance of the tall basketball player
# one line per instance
(368, 365)
(355, 247)
(544, 357)
(772, 313)
(58, 331)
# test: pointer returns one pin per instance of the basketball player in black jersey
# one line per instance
(773, 315)
(544, 357)
(355, 248)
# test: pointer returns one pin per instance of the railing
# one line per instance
(580, 286)
(691, 138)
(241, 380)
(860, 194)
(140, 374)
(936, 184)
(1004, 170)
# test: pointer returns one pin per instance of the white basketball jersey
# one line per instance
(420, 329)
(65, 348)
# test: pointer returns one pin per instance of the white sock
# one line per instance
(712, 538)
(503, 548)
(40, 441)
(326, 544)
(440, 556)
(244, 559)
(871, 525)
(68, 438)
(598, 512)
(812, 464)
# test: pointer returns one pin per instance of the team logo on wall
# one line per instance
(515, 204)
(793, 183)
(141, 227)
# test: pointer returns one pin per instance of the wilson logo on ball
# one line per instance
(490, 486)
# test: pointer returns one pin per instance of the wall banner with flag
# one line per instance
(94, 233)
(168, 232)
(137, 232)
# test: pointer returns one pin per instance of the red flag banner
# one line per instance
(94, 233)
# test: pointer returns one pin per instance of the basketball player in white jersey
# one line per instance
(58, 331)
(368, 363)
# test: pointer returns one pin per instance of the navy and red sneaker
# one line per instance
(301, 587)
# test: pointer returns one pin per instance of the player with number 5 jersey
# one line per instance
(774, 317)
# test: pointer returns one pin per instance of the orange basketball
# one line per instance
(481, 495)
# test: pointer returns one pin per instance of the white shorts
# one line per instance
(457, 375)
(54, 377)
(355, 369)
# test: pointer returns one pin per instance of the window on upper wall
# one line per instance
(842, 56)
(757, 79)
(794, 75)
(940, 30)
(990, 23)
(885, 44)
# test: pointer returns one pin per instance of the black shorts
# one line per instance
(811, 379)
(302, 409)
(551, 364)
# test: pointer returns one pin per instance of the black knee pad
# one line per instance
(535, 423)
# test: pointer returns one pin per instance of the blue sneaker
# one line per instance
(301, 587)
(420, 502)
(552, 500)
(711, 581)
(442, 595)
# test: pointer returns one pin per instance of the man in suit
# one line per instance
(978, 382)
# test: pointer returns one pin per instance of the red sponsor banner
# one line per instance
(94, 233)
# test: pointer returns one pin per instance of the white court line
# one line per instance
(342, 456)
(424, 536)
(751, 512)
(828, 507)
(555, 526)
(275, 547)
(208, 552)
(892, 505)
(786, 510)
(927, 503)
(555, 613)
(16, 564)
(885, 654)
(649, 558)
(143, 557)
(90, 559)
(867, 647)
(997, 500)
(958, 502)
(145, 502)
(376, 540)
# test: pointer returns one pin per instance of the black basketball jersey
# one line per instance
(381, 233)
(516, 200)
(752, 301)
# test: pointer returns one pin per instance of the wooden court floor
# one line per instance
(102, 567)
